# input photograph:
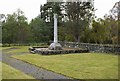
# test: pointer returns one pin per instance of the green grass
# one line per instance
(18, 49)
(81, 66)
(4, 48)
(10, 73)
(0, 48)
(0, 71)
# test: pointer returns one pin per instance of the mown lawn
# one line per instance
(10, 73)
(4, 48)
(81, 66)
(0, 48)
(16, 49)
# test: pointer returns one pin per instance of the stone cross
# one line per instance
(55, 45)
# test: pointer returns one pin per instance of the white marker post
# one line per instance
(55, 29)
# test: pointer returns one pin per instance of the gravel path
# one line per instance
(36, 72)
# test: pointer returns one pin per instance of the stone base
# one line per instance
(46, 51)
(55, 46)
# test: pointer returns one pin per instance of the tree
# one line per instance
(115, 14)
(47, 11)
(2, 19)
(100, 31)
(78, 17)
(105, 30)
(15, 29)
(8, 29)
(40, 31)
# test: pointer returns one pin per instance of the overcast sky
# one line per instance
(31, 8)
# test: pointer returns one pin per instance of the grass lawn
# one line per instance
(10, 73)
(4, 48)
(18, 49)
(81, 66)
(0, 71)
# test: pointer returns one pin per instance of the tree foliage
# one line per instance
(40, 31)
(15, 29)
(73, 25)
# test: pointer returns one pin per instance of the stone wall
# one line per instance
(104, 48)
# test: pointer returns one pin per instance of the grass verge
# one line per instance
(16, 49)
(10, 73)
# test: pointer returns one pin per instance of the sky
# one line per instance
(31, 8)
